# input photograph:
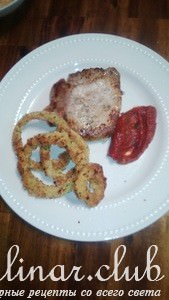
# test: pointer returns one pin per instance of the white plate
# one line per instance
(137, 193)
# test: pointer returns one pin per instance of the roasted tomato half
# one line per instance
(133, 133)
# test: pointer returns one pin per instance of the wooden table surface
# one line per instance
(35, 23)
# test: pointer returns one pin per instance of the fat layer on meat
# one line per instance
(89, 100)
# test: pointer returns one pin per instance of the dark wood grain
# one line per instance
(35, 23)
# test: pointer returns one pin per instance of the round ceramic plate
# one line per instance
(136, 193)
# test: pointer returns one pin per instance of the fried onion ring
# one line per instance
(61, 126)
(90, 184)
(35, 186)
(76, 150)
(43, 141)
(75, 146)
(53, 118)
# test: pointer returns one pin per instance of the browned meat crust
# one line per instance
(89, 100)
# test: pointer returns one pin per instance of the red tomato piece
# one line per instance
(133, 133)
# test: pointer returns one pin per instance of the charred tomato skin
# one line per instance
(133, 133)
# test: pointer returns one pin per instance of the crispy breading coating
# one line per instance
(76, 150)
(90, 184)
(86, 179)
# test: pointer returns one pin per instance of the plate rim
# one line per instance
(160, 59)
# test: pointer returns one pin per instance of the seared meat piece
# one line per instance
(89, 100)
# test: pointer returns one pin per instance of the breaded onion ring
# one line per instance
(76, 150)
(60, 163)
(61, 126)
(35, 186)
(53, 118)
(44, 141)
(90, 184)
(75, 147)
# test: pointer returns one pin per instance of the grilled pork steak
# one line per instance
(89, 100)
